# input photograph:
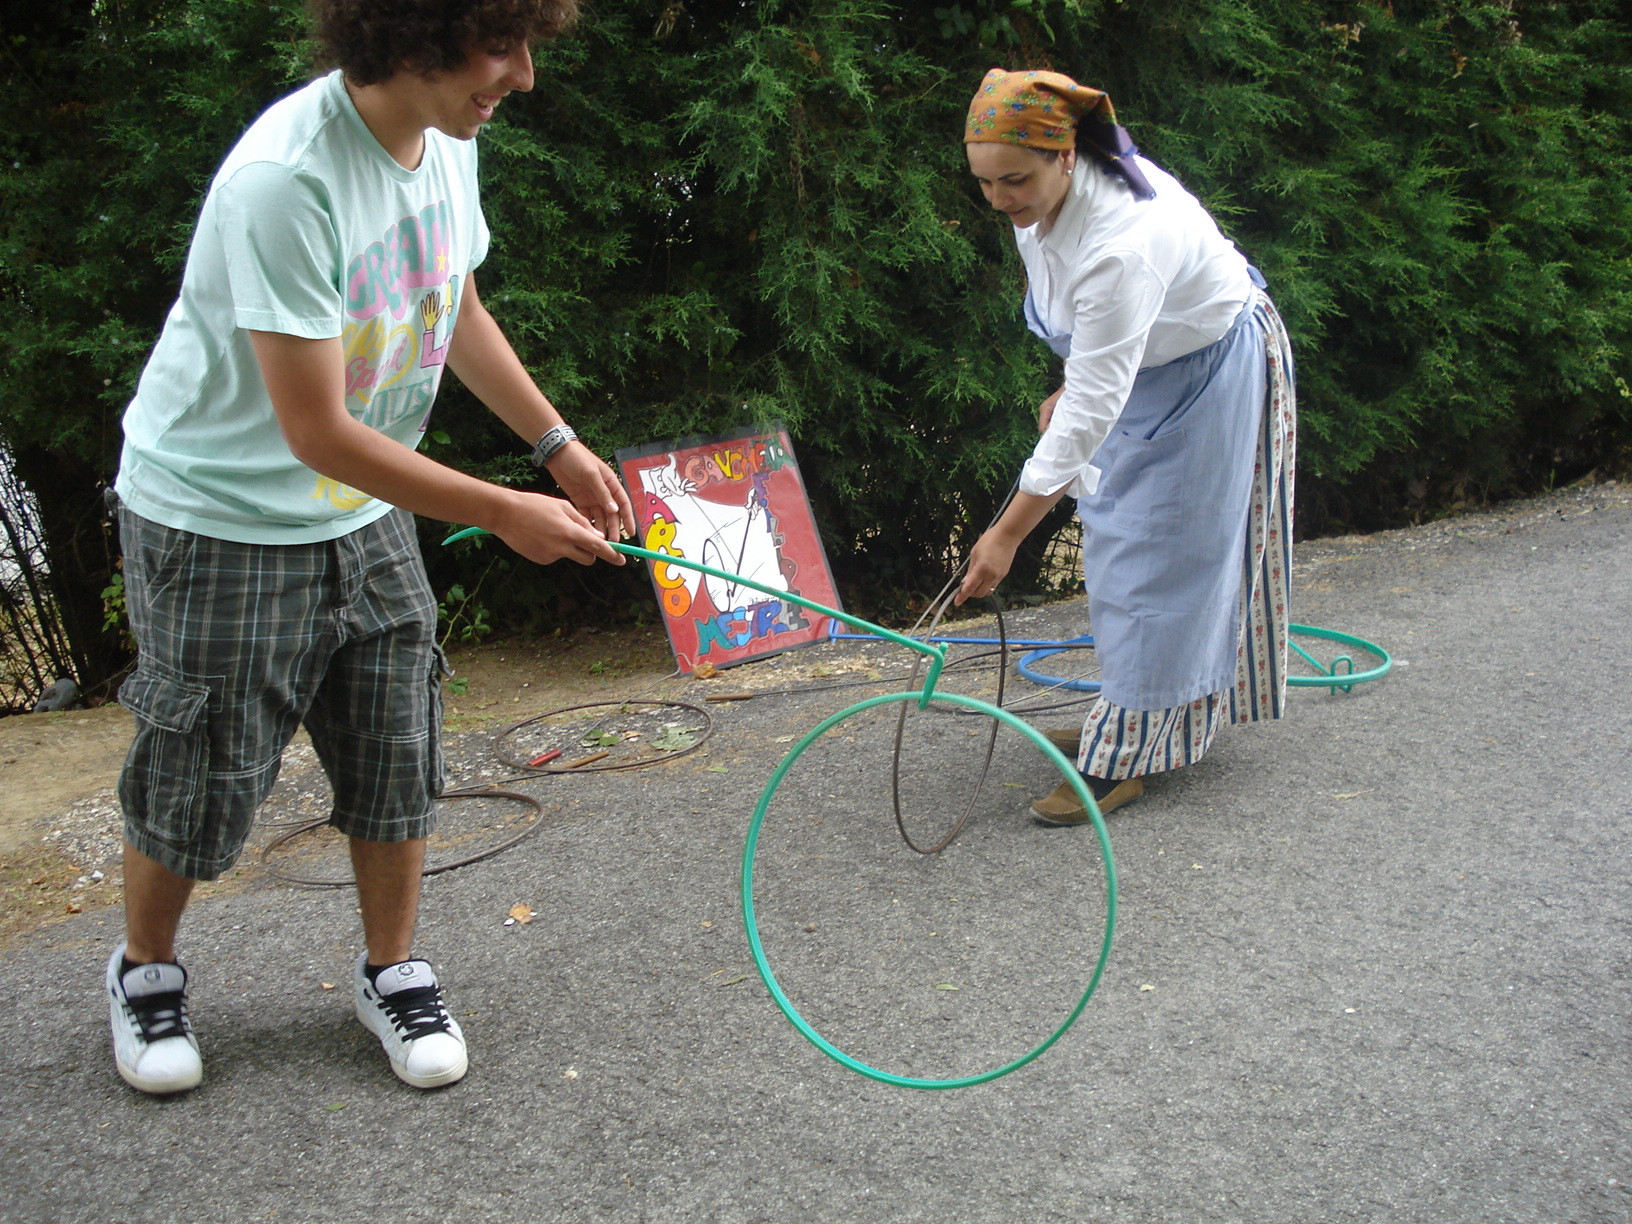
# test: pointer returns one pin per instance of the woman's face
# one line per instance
(1021, 183)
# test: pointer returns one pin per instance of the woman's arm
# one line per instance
(993, 554)
(1114, 302)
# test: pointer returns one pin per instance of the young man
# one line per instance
(266, 490)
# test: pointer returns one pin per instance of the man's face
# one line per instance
(459, 102)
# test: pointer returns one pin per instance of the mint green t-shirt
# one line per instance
(309, 229)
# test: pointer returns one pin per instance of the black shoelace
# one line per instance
(416, 1012)
(160, 1015)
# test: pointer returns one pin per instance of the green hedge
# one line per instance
(716, 215)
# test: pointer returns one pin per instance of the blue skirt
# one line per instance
(1164, 534)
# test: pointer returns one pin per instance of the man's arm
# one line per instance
(306, 380)
(486, 363)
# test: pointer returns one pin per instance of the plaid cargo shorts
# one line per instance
(237, 646)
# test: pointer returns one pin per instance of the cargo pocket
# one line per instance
(164, 786)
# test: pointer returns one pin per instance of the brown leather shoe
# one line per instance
(1066, 739)
(1061, 808)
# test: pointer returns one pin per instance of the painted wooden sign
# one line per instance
(736, 503)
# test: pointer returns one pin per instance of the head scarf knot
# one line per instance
(1048, 110)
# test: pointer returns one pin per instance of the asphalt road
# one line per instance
(1370, 963)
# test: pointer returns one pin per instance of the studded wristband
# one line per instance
(552, 441)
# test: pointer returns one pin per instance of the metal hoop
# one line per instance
(1065, 767)
(475, 792)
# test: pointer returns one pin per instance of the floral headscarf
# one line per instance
(1048, 110)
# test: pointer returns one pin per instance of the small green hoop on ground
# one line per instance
(1340, 673)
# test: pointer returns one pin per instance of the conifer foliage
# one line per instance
(714, 214)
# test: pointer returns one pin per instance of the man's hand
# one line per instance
(594, 488)
(487, 365)
(545, 529)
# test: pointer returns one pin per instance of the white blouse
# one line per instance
(1134, 283)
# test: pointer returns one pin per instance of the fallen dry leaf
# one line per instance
(675, 739)
(522, 913)
(705, 671)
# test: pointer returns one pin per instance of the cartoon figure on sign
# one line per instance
(738, 539)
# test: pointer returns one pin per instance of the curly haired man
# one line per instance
(266, 489)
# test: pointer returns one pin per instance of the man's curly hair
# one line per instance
(372, 40)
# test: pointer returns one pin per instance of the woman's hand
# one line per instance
(1045, 410)
(989, 563)
(993, 554)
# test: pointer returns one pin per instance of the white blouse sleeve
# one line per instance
(1115, 300)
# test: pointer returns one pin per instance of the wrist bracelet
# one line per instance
(553, 440)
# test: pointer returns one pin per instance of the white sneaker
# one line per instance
(153, 1041)
(403, 1008)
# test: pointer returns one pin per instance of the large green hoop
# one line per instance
(1066, 767)
(1331, 676)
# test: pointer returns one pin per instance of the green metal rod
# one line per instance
(1330, 677)
(937, 654)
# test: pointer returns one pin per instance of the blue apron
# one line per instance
(1164, 535)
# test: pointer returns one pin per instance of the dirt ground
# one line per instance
(59, 818)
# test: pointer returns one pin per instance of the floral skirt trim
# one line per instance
(1119, 743)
